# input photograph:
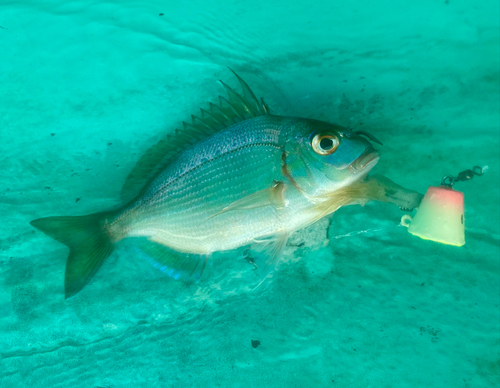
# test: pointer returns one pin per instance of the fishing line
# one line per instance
(358, 232)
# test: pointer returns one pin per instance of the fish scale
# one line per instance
(234, 176)
(187, 215)
(263, 129)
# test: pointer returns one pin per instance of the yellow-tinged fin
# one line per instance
(175, 264)
(88, 246)
(272, 196)
(237, 107)
(375, 188)
(356, 193)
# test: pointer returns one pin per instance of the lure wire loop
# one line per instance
(450, 180)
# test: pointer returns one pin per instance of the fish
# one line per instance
(235, 175)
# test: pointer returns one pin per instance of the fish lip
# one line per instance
(365, 161)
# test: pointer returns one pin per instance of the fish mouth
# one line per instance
(365, 162)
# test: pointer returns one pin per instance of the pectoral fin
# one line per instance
(267, 197)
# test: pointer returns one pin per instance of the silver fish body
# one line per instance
(235, 176)
(183, 207)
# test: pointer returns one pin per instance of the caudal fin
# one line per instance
(88, 246)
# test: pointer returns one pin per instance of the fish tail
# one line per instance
(89, 245)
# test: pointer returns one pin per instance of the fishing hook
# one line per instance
(369, 136)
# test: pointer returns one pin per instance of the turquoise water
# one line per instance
(87, 87)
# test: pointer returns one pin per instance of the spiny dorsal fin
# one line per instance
(237, 107)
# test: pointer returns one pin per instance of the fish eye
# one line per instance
(325, 144)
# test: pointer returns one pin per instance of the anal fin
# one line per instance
(177, 265)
